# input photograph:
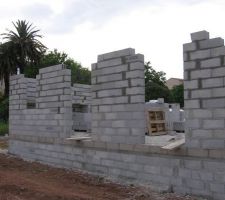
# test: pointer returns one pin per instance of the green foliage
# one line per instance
(27, 48)
(4, 109)
(4, 128)
(155, 84)
(21, 48)
(178, 94)
(78, 73)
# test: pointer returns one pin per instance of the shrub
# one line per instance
(4, 128)
(4, 109)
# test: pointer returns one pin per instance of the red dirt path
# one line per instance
(20, 180)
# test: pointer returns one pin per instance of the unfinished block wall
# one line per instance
(118, 97)
(204, 85)
(51, 118)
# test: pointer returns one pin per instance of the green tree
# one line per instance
(7, 64)
(79, 74)
(177, 93)
(27, 49)
(155, 84)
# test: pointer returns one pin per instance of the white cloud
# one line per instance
(84, 29)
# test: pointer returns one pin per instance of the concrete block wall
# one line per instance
(118, 97)
(204, 87)
(178, 171)
(52, 117)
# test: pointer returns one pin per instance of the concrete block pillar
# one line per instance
(54, 97)
(118, 97)
(18, 92)
(204, 91)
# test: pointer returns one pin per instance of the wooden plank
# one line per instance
(174, 145)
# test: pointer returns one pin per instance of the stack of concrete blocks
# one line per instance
(18, 100)
(81, 97)
(118, 98)
(204, 84)
(51, 119)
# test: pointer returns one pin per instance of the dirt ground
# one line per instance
(21, 180)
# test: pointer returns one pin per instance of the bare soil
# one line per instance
(21, 180)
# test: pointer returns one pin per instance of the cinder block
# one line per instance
(196, 74)
(193, 84)
(200, 35)
(137, 66)
(220, 51)
(209, 63)
(51, 69)
(116, 54)
(109, 93)
(111, 70)
(196, 94)
(213, 103)
(135, 58)
(218, 92)
(135, 74)
(212, 82)
(201, 113)
(201, 54)
(109, 63)
(189, 47)
(218, 72)
(108, 78)
(213, 124)
(191, 104)
(135, 90)
(137, 99)
(211, 43)
(189, 65)
(213, 144)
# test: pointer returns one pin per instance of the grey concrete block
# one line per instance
(109, 63)
(212, 82)
(189, 65)
(51, 69)
(211, 43)
(189, 47)
(135, 58)
(218, 72)
(201, 74)
(135, 74)
(213, 103)
(201, 54)
(116, 54)
(108, 78)
(213, 124)
(196, 94)
(200, 35)
(213, 144)
(137, 66)
(220, 51)
(193, 84)
(209, 63)
(135, 90)
(218, 92)
(109, 93)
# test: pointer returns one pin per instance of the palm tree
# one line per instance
(27, 49)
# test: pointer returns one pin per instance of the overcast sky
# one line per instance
(85, 28)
